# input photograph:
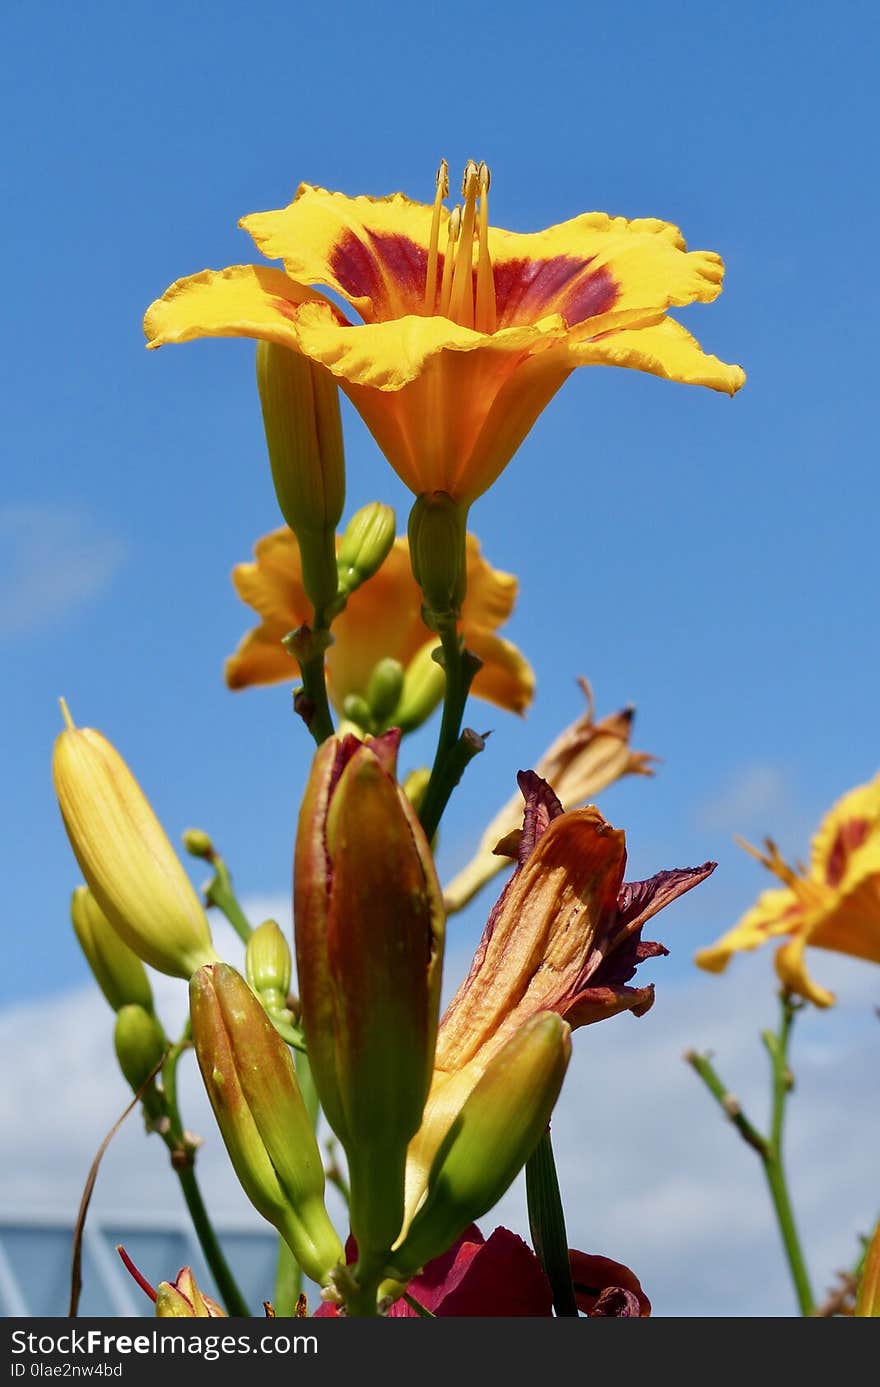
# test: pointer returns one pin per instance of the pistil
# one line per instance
(461, 304)
(433, 248)
(485, 311)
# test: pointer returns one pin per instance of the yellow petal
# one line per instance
(665, 349)
(848, 829)
(273, 584)
(506, 679)
(491, 594)
(372, 251)
(241, 301)
(792, 971)
(776, 912)
(261, 658)
(592, 264)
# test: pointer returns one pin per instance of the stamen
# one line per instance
(806, 890)
(461, 304)
(486, 319)
(453, 227)
(431, 278)
(65, 713)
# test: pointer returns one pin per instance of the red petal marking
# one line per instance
(850, 836)
(526, 290)
(384, 267)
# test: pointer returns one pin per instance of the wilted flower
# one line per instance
(468, 331)
(177, 1299)
(585, 759)
(833, 904)
(382, 621)
(564, 936)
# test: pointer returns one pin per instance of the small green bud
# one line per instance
(438, 553)
(268, 965)
(365, 545)
(198, 844)
(424, 682)
(140, 1044)
(384, 689)
(116, 968)
(357, 710)
(499, 1125)
(303, 426)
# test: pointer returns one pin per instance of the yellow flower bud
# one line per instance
(117, 970)
(438, 553)
(304, 436)
(365, 545)
(495, 1132)
(125, 856)
(252, 1085)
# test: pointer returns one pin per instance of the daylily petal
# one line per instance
(594, 263)
(592, 1275)
(506, 679)
(498, 1277)
(241, 301)
(791, 968)
(261, 658)
(776, 912)
(666, 349)
(372, 251)
(273, 585)
(852, 822)
(491, 594)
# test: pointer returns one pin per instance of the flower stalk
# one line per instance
(769, 1148)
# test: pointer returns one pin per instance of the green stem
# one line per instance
(453, 752)
(769, 1148)
(288, 1282)
(219, 892)
(547, 1225)
(182, 1153)
(312, 702)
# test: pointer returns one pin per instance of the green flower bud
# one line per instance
(438, 553)
(365, 545)
(303, 426)
(415, 785)
(140, 1044)
(117, 970)
(384, 689)
(357, 710)
(497, 1129)
(198, 844)
(252, 1085)
(424, 682)
(268, 965)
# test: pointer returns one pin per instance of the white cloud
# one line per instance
(54, 560)
(651, 1172)
(756, 793)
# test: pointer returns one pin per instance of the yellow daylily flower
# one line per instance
(467, 330)
(382, 620)
(835, 904)
(585, 759)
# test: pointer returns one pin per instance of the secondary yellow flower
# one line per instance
(835, 904)
(382, 620)
(467, 331)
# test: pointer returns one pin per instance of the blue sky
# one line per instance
(713, 561)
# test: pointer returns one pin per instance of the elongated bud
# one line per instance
(117, 970)
(125, 856)
(182, 1300)
(497, 1129)
(438, 554)
(140, 1045)
(415, 785)
(252, 1085)
(384, 689)
(365, 545)
(424, 682)
(304, 436)
(369, 933)
(198, 843)
(268, 965)
(868, 1300)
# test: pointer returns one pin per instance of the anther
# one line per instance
(486, 317)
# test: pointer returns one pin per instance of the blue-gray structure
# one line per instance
(35, 1256)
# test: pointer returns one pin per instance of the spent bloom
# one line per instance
(564, 937)
(467, 331)
(832, 904)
